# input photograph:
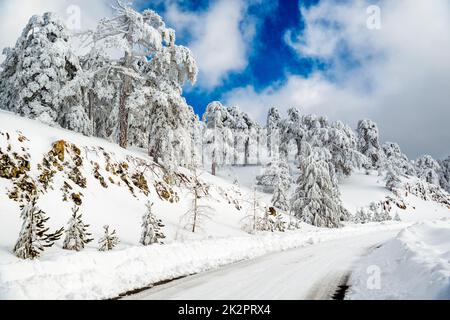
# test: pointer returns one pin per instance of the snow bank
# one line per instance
(414, 265)
(99, 275)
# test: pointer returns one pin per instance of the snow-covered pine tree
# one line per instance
(34, 236)
(76, 234)
(150, 58)
(342, 144)
(316, 200)
(42, 77)
(379, 212)
(170, 117)
(445, 174)
(428, 169)
(368, 143)
(197, 212)
(393, 181)
(280, 198)
(279, 224)
(273, 132)
(268, 179)
(396, 160)
(214, 136)
(151, 227)
(109, 240)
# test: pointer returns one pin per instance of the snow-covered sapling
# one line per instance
(76, 234)
(151, 227)
(253, 221)
(34, 236)
(197, 211)
(109, 240)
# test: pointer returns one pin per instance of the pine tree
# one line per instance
(76, 234)
(444, 174)
(283, 180)
(34, 236)
(395, 160)
(151, 227)
(42, 77)
(428, 169)
(368, 143)
(151, 64)
(316, 200)
(280, 225)
(273, 132)
(393, 181)
(341, 141)
(214, 136)
(269, 178)
(379, 212)
(109, 240)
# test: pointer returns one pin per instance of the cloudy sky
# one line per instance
(347, 60)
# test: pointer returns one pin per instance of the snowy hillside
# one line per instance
(112, 186)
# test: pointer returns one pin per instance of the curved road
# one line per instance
(311, 272)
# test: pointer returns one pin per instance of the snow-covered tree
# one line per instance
(34, 236)
(428, 169)
(251, 222)
(342, 144)
(76, 234)
(369, 144)
(375, 212)
(151, 64)
(316, 200)
(151, 227)
(198, 211)
(393, 181)
(109, 240)
(445, 174)
(273, 132)
(268, 179)
(215, 141)
(280, 198)
(42, 77)
(362, 216)
(291, 131)
(279, 224)
(396, 160)
(379, 212)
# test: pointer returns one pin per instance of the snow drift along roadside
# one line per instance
(94, 275)
(414, 265)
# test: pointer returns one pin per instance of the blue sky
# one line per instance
(270, 56)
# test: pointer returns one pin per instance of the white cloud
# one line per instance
(218, 43)
(14, 15)
(402, 80)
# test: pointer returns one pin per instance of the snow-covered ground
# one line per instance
(414, 265)
(91, 274)
(309, 272)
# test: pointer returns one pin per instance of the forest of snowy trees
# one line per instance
(127, 88)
